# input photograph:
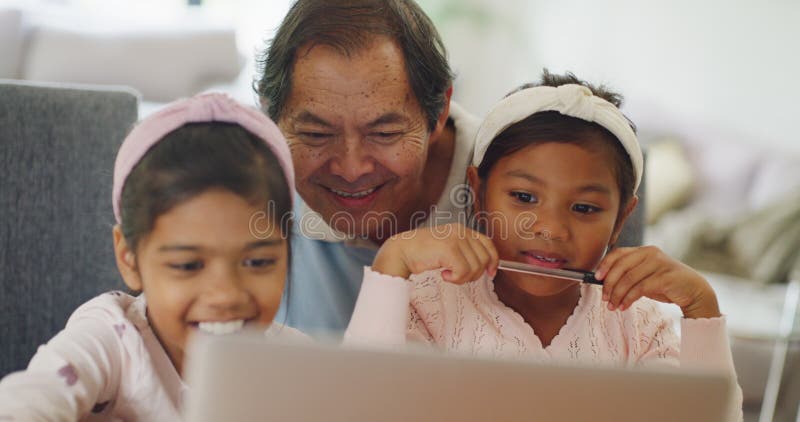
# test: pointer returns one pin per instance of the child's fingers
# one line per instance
(458, 267)
(625, 272)
(634, 293)
(613, 265)
(446, 256)
(461, 269)
(474, 261)
(609, 260)
(494, 257)
(484, 257)
(629, 280)
(632, 280)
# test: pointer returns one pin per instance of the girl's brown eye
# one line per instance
(524, 197)
(259, 263)
(585, 208)
(187, 266)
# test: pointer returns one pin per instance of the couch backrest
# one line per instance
(57, 151)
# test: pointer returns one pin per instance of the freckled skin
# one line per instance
(343, 148)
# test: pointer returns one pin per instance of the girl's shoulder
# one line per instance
(111, 307)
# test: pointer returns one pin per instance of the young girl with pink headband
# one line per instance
(201, 189)
(554, 176)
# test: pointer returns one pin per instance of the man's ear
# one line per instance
(441, 122)
(126, 261)
(629, 207)
(475, 188)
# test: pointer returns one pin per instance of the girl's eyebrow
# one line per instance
(192, 248)
(592, 187)
(595, 188)
(263, 243)
(523, 175)
(179, 248)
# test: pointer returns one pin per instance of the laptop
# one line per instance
(251, 378)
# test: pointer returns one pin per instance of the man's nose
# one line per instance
(352, 160)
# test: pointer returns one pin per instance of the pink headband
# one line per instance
(213, 107)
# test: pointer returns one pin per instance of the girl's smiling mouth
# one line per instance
(543, 259)
(221, 327)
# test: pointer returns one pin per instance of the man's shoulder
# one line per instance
(466, 123)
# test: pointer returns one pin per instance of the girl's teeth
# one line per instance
(546, 259)
(221, 327)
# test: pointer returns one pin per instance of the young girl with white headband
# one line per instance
(200, 192)
(555, 172)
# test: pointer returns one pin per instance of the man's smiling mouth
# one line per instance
(359, 194)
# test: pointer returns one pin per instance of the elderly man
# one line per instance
(361, 89)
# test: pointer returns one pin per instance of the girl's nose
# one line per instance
(226, 294)
(551, 224)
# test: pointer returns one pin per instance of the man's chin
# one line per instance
(364, 224)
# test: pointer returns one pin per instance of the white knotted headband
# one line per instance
(570, 100)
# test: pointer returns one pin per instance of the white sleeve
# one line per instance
(381, 313)
(67, 377)
(704, 344)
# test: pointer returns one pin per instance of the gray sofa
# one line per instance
(57, 151)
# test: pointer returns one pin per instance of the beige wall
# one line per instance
(729, 64)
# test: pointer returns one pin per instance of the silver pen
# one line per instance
(579, 276)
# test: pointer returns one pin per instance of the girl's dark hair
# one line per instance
(552, 126)
(197, 157)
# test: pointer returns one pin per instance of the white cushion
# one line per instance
(669, 178)
(161, 64)
(11, 39)
(778, 175)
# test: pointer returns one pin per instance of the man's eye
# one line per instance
(585, 208)
(259, 262)
(314, 138)
(386, 136)
(524, 197)
(315, 134)
(187, 266)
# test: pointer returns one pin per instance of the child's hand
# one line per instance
(630, 273)
(464, 253)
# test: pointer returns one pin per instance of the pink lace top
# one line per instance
(471, 319)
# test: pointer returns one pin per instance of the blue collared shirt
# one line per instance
(324, 281)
